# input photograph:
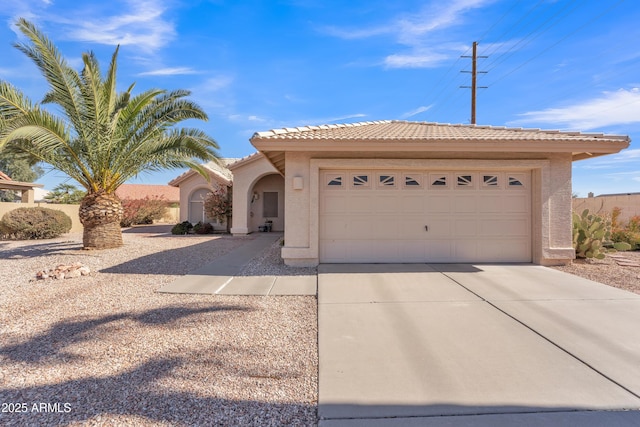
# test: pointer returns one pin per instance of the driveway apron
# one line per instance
(454, 344)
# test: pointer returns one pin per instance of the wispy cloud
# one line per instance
(415, 60)
(417, 32)
(215, 84)
(176, 71)
(141, 23)
(614, 161)
(612, 108)
(417, 111)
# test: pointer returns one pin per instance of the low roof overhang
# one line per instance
(275, 150)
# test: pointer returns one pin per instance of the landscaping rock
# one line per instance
(64, 272)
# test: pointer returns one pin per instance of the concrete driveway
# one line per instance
(475, 345)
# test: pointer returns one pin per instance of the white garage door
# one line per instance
(425, 216)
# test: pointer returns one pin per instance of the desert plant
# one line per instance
(66, 194)
(34, 223)
(622, 246)
(217, 204)
(590, 233)
(142, 211)
(203, 228)
(182, 228)
(629, 233)
(97, 135)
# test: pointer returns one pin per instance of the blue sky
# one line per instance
(258, 65)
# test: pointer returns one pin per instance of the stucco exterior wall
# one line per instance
(269, 183)
(629, 203)
(550, 198)
(187, 188)
(245, 175)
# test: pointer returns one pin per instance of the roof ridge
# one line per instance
(515, 129)
(309, 128)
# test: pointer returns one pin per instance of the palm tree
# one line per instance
(100, 137)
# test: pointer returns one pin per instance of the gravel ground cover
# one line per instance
(608, 271)
(106, 349)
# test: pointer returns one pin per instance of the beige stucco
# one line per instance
(551, 199)
(254, 174)
(301, 154)
(190, 185)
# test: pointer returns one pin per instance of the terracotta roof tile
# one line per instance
(389, 130)
(140, 191)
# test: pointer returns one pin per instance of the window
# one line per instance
(464, 181)
(514, 182)
(490, 180)
(439, 181)
(196, 206)
(270, 204)
(388, 181)
(360, 181)
(337, 181)
(411, 181)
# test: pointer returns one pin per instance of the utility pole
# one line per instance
(474, 74)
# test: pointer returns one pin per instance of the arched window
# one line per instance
(196, 206)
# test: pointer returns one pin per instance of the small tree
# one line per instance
(217, 205)
(65, 194)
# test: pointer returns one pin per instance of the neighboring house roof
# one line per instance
(216, 170)
(141, 191)
(618, 194)
(6, 183)
(399, 135)
(246, 160)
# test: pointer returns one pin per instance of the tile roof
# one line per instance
(389, 130)
(140, 191)
(220, 169)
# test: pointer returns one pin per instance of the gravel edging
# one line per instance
(270, 263)
(608, 271)
(107, 349)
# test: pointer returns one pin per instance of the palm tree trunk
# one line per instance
(100, 214)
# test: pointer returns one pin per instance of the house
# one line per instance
(399, 191)
(193, 189)
(26, 189)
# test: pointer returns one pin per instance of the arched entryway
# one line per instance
(266, 203)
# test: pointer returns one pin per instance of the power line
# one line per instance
(557, 43)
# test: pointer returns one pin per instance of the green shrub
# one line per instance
(34, 223)
(203, 228)
(627, 236)
(182, 228)
(590, 233)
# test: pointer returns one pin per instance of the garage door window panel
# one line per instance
(413, 181)
(361, 181)
(492, 182)
(386, 181)
(439, 181)
(334, 181)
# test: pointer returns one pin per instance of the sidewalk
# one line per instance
(221, 276)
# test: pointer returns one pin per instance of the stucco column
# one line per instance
(28, 196)
(240, 217)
